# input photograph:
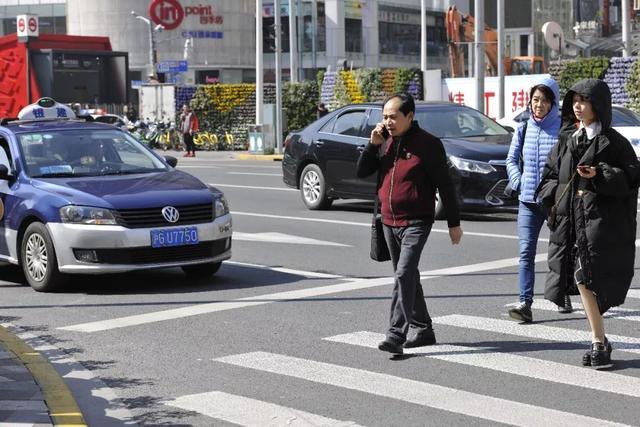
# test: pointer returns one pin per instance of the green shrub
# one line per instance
(633, 87)
(403, 77)
(369, 81)
(583, 68)
(300, 100)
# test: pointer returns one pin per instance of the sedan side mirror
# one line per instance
(4, 172)
(171, 160)
(509, 128)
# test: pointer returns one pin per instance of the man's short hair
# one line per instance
(407, 104)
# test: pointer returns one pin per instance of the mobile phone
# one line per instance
(384, 133)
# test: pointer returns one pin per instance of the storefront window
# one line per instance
(399, 32)
(306, 34)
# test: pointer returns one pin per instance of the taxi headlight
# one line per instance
(471, 165)
(86, 215)
(220, 206)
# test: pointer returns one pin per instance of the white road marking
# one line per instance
(406, 390)
(510, 363)
(633, 293)
(614, 313)
(549, 333)
(255, 174)
(198, 167)
(350, 285)
(311, 274)
(252, 187)
(251, 412)
(368, 224)
(23, 405)
(282, 238)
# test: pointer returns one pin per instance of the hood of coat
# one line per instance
(595, 91)
(551, 121)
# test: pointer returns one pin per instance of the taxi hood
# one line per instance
(129, 191)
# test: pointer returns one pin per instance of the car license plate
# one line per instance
(174, 237)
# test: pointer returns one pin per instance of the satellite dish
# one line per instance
(553, 35)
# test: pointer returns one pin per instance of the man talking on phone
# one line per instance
(412, 166)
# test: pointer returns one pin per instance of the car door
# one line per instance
(338, 149)
(6, 195)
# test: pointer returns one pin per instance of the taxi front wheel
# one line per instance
(201, 271)
(38, 259)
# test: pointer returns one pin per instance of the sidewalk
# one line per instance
(212, 155)
(31, 390)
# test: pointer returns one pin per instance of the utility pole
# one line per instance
(626, 18)
(300, 20)
(423, 46)
(500, 48)
(293, 38)
(278, 52)
(479, 54)
(259, 64)
(314, 34)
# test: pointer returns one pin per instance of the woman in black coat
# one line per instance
(590, 189)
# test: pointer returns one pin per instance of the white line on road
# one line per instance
(614, 313)
(252, 187)
(368, 224)
(251, 412)
(255, 174)
(350, 285)
(633, 293)
(310, 274)
(406, 390)
(549, 333)
(510, 363)
(282, 238)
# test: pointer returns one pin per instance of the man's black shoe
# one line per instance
(391, 346)
(567, 307)
(422, 338)
(522, 312)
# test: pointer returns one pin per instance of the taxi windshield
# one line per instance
(67, 153)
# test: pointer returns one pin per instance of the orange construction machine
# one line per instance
(460, 30)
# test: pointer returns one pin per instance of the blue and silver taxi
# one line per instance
(79, 197)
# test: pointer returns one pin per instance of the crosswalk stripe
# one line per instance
(483, 357)
(633, 293)
(549, 333)
(420, 393)
(251, 412)
(613, 313)
(352, 284)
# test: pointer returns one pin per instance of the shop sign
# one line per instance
(171, 13)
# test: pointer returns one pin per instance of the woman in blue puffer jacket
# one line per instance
(527, 155)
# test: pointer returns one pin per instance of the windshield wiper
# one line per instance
(55, 175)
(128, 172)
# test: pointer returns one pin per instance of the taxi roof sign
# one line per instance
(46, 109)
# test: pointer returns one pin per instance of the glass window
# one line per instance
(399, 39)
(375, 117)
(85, 153)
(353, 35)
(624, 117)
(457, 122)
(349, 123)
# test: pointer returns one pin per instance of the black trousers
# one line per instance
(188, 142)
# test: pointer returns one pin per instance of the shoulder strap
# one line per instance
(521, 135)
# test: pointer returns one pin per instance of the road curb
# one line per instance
(270, 157)
(63, 409)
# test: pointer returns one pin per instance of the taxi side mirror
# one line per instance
(4, 172)
(171, 160)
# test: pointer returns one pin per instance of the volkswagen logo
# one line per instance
(170, 213)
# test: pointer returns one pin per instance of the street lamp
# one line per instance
(153, 56)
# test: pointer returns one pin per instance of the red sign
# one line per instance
(168, 13)
(33, 24)
(21, 25)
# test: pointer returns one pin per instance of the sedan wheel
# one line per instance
(38, 259)
(313, 188)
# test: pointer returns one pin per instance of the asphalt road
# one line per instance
(285, 333)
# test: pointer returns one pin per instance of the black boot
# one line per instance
(422, 338)
(599, 355)
(522, 312)
(390, 345)
(567, 307)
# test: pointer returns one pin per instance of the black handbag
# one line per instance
(379, 248)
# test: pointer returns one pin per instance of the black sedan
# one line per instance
(320, 160)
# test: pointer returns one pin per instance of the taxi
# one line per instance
(80, 197)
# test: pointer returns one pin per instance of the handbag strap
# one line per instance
(377, 200)
(566, 189)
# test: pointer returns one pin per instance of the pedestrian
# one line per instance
(412, 165)
(321, 110)
(590, 188)
(529, 149)
(188, 126)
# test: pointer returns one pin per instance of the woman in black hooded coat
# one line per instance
(590, 189)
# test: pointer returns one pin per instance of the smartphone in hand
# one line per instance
(384, 133)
